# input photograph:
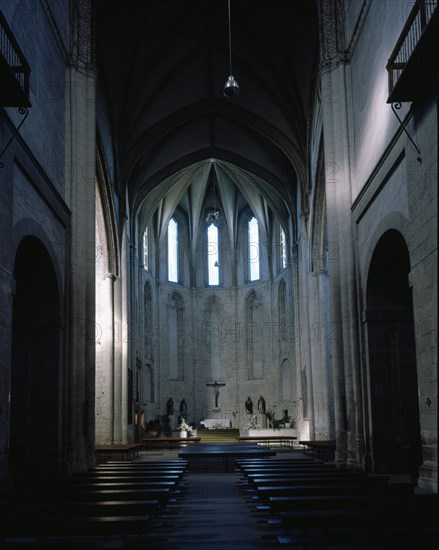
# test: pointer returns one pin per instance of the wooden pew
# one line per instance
(96, 487)
(272, 463)
(125, 478)
(82, 508)
(69, 526)
(145, 461)
(137, 467)
(372, 516)
(324, 502)
(126, 451)
(264, 492)
(243, 468)
(253, 481)
(171, 442)
(162, 493)
(283, 441)
(394, 516)
(97, 505)
(321, 448)
(300, 472)
(93, 485)
(146, 473)
(284, 472)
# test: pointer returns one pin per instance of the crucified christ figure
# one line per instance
(216, 387)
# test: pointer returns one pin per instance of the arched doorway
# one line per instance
(35, 378)
(395, 428)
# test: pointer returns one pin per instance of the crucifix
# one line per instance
(215, 387)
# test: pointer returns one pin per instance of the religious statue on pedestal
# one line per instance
(261, 405)
(183, 408)
(249, 406)
(170, 407)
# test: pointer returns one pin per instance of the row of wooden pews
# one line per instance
(311, 505)
(113, 502)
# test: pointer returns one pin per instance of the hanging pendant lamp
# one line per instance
(231, 87)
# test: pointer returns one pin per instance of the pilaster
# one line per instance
(80, 197)
(336, 109)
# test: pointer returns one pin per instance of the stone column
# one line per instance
(80, 197)
(306, 360)
(337, 127)
(105, 359)
(321, 365)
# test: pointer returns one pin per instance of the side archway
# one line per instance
(394, 438)
(35, 424)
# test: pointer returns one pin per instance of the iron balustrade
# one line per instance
(415, 25)
(13, 56)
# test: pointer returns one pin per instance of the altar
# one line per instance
(210, 423)
(269, 432)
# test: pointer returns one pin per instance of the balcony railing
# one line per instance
(416, 25)
(15, 70)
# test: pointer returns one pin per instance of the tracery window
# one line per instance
(282, 248)
(212, 255)
(146, 250)
(173, 260)
(253, 249)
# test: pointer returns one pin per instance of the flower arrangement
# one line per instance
(184, 427)
(252, 424)
(216, 426)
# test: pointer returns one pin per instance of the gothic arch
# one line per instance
(254, 335)
(319, 239)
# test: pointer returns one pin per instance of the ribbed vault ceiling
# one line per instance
(162, 65)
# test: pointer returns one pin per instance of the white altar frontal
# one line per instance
(216, 423)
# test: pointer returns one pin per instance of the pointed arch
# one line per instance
(319, 240)
(254, 335)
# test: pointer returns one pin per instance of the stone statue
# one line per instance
(216, 387)
(170, 407)
(261, 405)
(249, 406)
(183, 407)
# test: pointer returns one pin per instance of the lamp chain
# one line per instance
(230, 41)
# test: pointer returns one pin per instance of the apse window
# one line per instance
(173, 251)
(253, 249)
(212, 255)
(283, 249)
(146, 250)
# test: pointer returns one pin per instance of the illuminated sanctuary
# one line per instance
(208, 202)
